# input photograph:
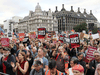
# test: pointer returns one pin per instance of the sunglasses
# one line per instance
(96, 55)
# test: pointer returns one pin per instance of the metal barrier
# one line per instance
(3, 73)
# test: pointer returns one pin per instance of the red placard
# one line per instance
(21, 36)
(5, 42)
(49, 35)
(61, 37)
(90, 52)
(74, 40)
(41, 33)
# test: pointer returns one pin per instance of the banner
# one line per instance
(61, 38)
(90, 52)
(41, 33)
(74, 40)
(21, 36)
(5, 41)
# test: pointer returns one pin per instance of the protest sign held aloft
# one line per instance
(61, 38)
(74, 40)
(21, 36)
(5, 42)
(90, 52)
(41, 33)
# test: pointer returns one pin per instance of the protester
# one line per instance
(65, 54)
(30, 59)
(94, 62)
(34, 52)
(22, 66)
(97, 71)
(45, 54)
(73, 62)
(78, 70)
(6, 59)
(52, 69)
(25, 46)
(61, 59)
(45, 60)
(81, 62)
(1, 52)
(38, 70)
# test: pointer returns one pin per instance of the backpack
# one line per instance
(35, 70)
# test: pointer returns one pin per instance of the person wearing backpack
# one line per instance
(38, 70)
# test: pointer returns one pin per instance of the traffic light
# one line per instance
(91, 26)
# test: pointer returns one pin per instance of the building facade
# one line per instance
(67, 20)
(37, 19)
(11, 25)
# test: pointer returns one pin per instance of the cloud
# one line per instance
(10, 8)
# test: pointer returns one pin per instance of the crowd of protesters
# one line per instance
(43, 57)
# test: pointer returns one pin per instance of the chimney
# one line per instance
(62, 6)
(63, 9)
(91, 12)
(56, 9)
(72, 9)
(85, 11)
(79, 10)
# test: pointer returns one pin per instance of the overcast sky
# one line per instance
(10, 8)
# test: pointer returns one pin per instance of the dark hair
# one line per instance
(53, 47)
(52, 64)
(30, 56)
(75, 60)
(37, 62)
(80, 53)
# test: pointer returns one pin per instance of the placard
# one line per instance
(5, 42)
(66, 40)
(90, 52)
(61, 38)
(74, 40)
(21, 36)
(41, 33)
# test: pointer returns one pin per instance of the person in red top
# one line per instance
(22, 66)
(5, 61)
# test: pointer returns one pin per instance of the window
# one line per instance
(50, 28)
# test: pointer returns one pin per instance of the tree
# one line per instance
(95, 30)
(81, 27)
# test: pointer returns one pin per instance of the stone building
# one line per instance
(37, 19)
(69, 19)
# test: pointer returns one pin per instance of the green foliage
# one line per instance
(81, 27)
(94, 31)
